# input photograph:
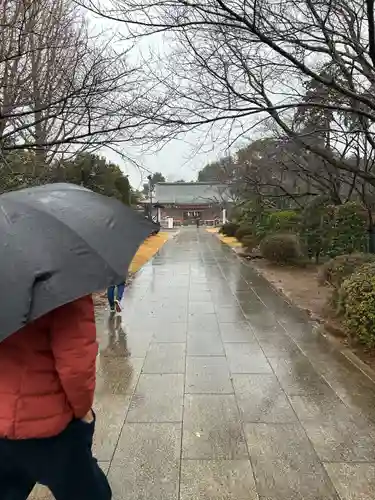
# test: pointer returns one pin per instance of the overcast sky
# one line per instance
(180, 158)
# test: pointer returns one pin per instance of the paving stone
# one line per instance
(212, 428)
(172, 332)
(201, 307)
(165, 358)
(340, 440)
(172, 314)
(204, 343)
(117, 375)
(246, 358)
(209, 479)
(197, 288)
(261, 399)
(208, 375)
(41, 493)
(110, 412)
(228, 314)
(158, 398)
(319, 407)
(237, 332)
(285, 464)
(147, 462)
(297, 376)
(204, 296)
(278, 345)
(260, 320)
(353, 481)
(203, 322)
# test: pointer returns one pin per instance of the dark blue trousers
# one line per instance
(111, 294)
(63, 463)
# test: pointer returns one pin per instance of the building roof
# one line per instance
(190, 193)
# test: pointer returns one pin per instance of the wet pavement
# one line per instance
(211, 386)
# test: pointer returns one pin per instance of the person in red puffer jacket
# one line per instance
(47, 383)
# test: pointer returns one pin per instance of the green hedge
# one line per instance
(338, 269)
(325, 230)
(348, 232)
(357, 304)
(249, 242)
(316, 224)
(284, 221)
(244, 230)
(328, 230)
(281, 248)
(229, 229)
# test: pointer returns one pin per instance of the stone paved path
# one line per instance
(215, 388)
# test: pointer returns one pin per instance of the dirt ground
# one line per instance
(300, 286)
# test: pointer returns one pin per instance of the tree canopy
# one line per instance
(155, 178)
(24, 169)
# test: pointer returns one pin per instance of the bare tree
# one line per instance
(237, 60)
(63, 88)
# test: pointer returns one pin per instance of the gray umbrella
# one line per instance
(60, 242)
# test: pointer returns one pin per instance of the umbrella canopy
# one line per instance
(60, 242)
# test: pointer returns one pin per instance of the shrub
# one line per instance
(338, 269)
(249, 242)
(262, 226)
(281, 248)
(349, 230)
(284, 221)
(333, 230)
(229, 229)
(244, 230)
(357, 304)
(251, 210)
(316, 227)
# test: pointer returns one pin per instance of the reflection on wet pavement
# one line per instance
(210, 386)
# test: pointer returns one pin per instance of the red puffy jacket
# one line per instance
(47, 372)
